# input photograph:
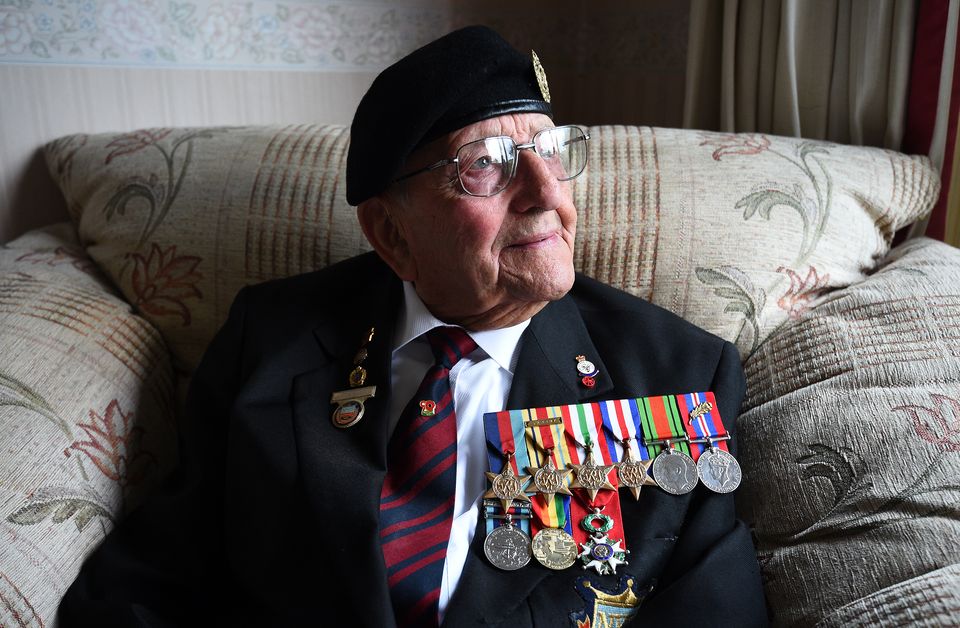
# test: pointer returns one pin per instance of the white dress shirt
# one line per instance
(480, 383)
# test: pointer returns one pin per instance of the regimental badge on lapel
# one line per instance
(611, 609)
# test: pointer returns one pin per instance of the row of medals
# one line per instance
(508, 547)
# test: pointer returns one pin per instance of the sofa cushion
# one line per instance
(737, 233)
(86, 392)
(850, 438)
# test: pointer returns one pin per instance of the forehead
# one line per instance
(520, 126)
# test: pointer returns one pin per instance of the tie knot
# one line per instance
(449, 344)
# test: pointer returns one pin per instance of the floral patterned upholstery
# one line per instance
(749, 236)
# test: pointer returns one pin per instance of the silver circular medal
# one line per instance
(554, 548)
(718, 470)
(507, 548)
(675, 472)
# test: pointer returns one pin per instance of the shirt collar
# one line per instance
(416, 320)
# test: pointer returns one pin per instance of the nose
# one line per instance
(535, 186)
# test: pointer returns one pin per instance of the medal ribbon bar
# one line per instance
(705, 424)
(659, 419)
(546, 436)
(503, 432)
(584, 424)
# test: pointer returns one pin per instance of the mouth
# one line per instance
(535, 241)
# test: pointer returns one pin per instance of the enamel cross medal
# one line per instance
(350, 402)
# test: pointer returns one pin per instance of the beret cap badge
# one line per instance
(541, 76)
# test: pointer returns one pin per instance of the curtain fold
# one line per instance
(824, 69)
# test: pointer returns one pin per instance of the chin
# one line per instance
(552, 286)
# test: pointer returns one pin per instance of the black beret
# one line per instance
(465, 76)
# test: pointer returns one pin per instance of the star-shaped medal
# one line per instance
(592, 477)
(548, 480)
(634, 474)
(507, 486)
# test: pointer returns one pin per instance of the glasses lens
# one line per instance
(564, 149)
(485, 166)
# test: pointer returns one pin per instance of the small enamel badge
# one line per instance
(428, 407)
(587, 371)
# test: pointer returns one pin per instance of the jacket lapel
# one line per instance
(346, 466)
(546, 375)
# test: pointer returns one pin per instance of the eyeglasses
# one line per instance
(487, 166)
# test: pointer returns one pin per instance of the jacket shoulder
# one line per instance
(603, 306)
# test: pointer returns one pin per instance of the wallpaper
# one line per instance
(315, 34)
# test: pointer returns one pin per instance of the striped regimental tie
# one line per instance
(416, 503)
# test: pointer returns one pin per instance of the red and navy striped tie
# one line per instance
(416, 503)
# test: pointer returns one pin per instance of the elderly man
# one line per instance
(343, 428)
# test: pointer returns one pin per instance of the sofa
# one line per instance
(849, 432)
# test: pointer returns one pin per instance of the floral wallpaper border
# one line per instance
(305, 34)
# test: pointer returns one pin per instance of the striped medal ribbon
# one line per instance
(503, 430)
(594, 481)
(622, 419)
(717, 469)
(664, 436)
(550, 458)
(702, 422)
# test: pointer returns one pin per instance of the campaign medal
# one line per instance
(587, 371)
(716, 466)
(601, 552)
(718, 469)
(507, 486)
(350, 402)
(549, 480)
(507, 547)
(590, 476)
(633, 474)
(554, 548)
(674, 471)
(552, 545)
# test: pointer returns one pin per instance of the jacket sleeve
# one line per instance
(159, 566)
(713, 578)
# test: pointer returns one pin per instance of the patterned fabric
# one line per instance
(416, 504)
(928, 601)
(850, 440)
(180, 219)
(86, 417)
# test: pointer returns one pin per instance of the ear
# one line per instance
(385, 233)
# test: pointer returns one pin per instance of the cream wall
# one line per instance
(69, 66)
(43, 102)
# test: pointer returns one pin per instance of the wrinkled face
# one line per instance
(474, 258)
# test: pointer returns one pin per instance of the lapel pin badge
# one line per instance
(350, 402)
(587, 371)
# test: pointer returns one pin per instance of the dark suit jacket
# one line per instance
(272, 518)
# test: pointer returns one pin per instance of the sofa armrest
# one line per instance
(850, 438)
(86, 405)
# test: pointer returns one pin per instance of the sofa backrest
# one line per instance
(737, 233)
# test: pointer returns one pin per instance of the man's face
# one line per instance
(483, 262)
